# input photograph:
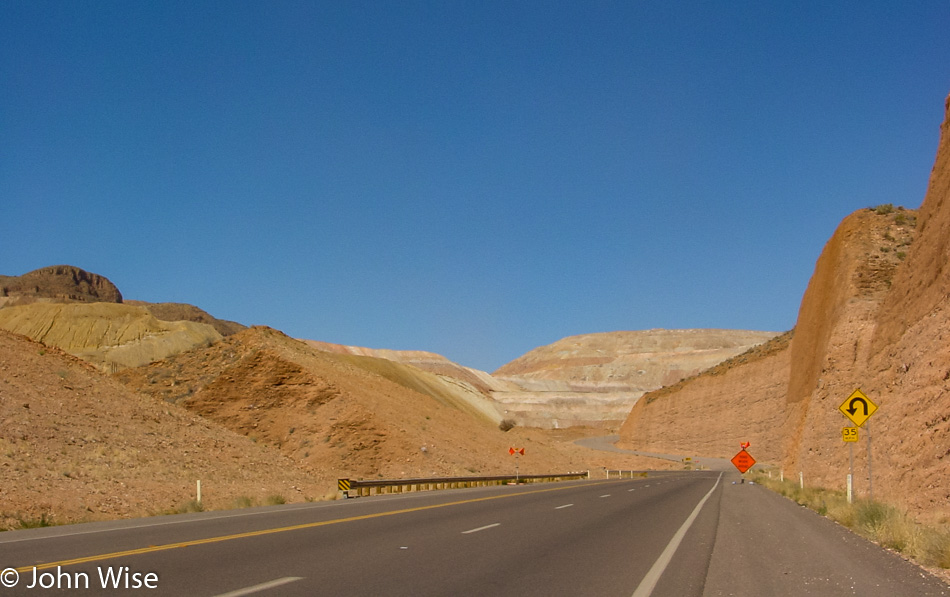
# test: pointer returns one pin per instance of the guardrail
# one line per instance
(625, 474)
(380, 486)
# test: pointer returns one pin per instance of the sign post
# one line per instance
(850, 435)
(516, 453)
(870, 477)
(743, 461)
(858, 408)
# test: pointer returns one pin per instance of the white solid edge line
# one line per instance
(261, 587)
(488, 526)
(649, 581)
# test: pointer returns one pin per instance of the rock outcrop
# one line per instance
(739, 400)
(897, 350)
(58, 283)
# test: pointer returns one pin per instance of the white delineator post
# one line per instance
(850, 471)
(870, 476)
(199, 491)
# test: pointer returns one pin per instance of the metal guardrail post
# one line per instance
(381, 486)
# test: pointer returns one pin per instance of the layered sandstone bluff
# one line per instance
(875, 316)
(590, 380)
(595, 379)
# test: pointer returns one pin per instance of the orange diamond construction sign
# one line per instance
(743, 461)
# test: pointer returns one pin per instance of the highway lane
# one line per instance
(560, 539)
(577, 538)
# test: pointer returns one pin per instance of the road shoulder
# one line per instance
(769, 545)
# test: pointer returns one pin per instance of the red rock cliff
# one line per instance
(875, 316)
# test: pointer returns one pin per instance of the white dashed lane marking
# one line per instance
(261, 587)
(488, 526)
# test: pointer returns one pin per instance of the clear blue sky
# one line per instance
(470, 178)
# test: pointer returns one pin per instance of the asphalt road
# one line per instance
(681, 533)
(608, 444)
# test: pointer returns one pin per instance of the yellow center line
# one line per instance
(296, 527)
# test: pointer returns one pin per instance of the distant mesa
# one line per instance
(629, 360)
(57, 283)
(595, 379)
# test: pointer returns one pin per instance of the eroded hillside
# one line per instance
(347, 415)
(77, 445)
(110, 335)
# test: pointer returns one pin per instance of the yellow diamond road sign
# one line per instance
(858, 408)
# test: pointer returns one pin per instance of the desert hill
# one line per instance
(426, 361)
(344, 414)
(875, 316)
(595, 379)
(590, 380)
(184, 312)
(256, 416)
(84, 314)
(110, 335)
(77, 445)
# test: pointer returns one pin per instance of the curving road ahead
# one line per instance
(608, 444)
(671, 534)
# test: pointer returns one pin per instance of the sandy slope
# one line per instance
(77, 445)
